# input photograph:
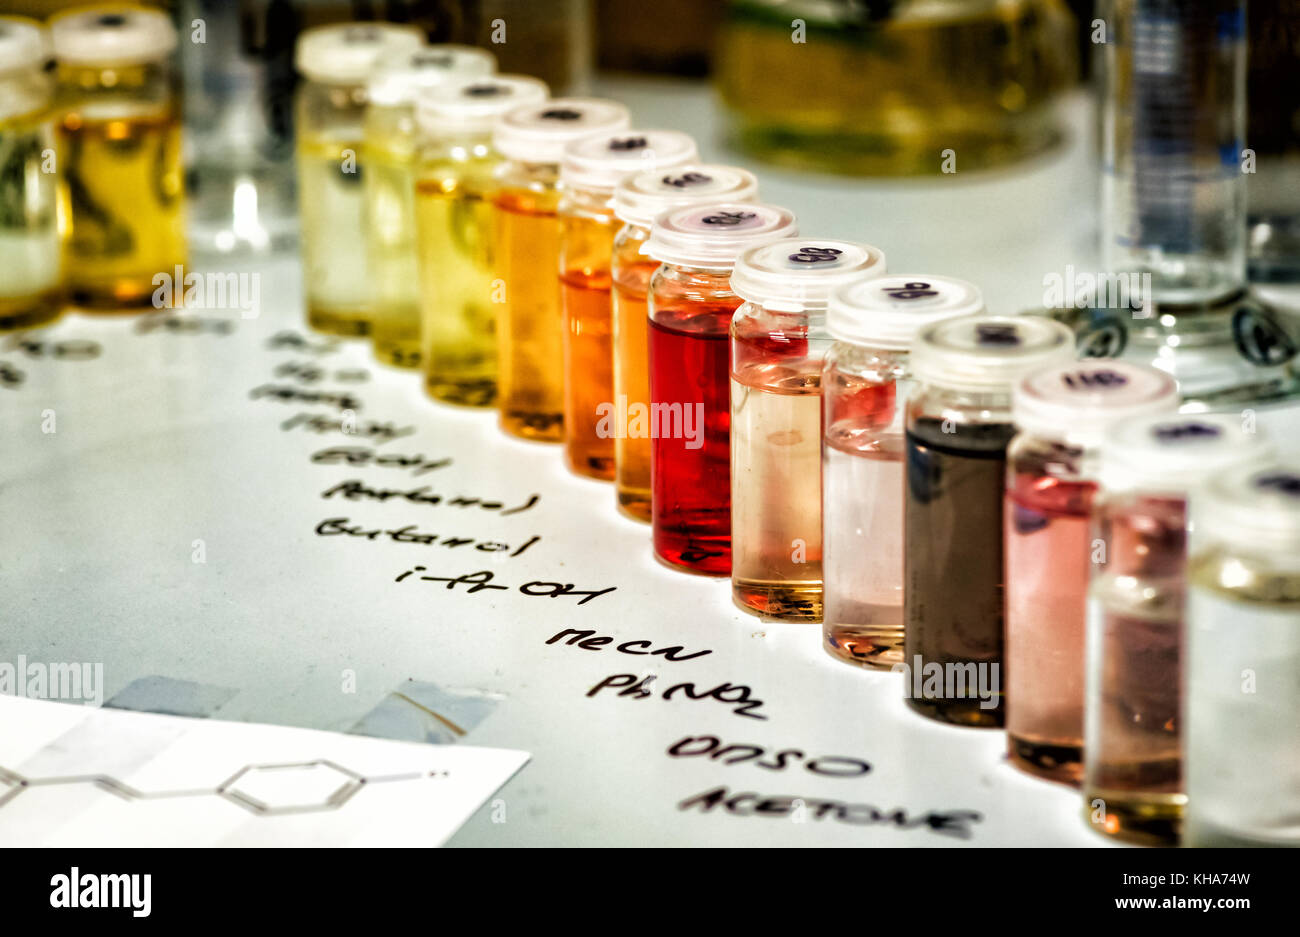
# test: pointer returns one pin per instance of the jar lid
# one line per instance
(797, 274)
(987, 353)
(1174, 454)
(1252, 507)
(640, 197)
(888, 311)
(602, 162)
(537, 133)
(346, 53)
(471, 105)
(24, 44)
(714, 235)
(1077, 401)
(397, 81)
(113, 34)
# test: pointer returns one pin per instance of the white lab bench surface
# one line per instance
(167, 526)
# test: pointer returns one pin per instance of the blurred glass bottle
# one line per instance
(883, 87)
(550, 41)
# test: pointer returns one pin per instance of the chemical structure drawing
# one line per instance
(263, 790)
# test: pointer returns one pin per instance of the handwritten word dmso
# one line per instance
(482, 580)
(589, 641)
(831, 766)
(381, 432)
(361, 455)
(354, 490)
(287, 394)
(338, 526)
(749, 804)
(729, 693)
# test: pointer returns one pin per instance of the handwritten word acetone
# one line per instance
(338, 526)
(362, 456)
(354, 490)
(482, 580)
(733, 694)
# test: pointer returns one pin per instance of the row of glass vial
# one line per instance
(91, 180)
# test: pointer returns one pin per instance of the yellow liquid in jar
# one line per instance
(336, 281)
(388, 184)
(30, 289)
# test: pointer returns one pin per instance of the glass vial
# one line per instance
(530, 324)
(778, 339)
(590, 170)
(1243, 658)
(1051, 478)
(31, 288)
(691, 304)
(389, 144)
(637, 200)
(122, 182)
(866, 378)
(455, 182)
(1132, 750)
(335, 62)
(957, 432)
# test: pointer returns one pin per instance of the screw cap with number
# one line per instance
(538, 133)
(989, 354)
(346, 53)
(1253, 508)
(889, 311)
(602, 162)
(1174, 455)
(24, 44)
(1077, 402)
(639, 198)
(799, 274)
(399, 80)
(112, 35)
(472, 105)
(713, 235)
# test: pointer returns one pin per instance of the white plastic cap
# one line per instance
(1176, 454)
(639, 198)
(602, 162)
(713, 236)
(24, 44)
(472, 105)
(537, 133)
(889, 311)
(399, 80)
(800, 274)
(1253, 508)
(1077, 402)
(112, 35)
(988, 354)
(346, 53)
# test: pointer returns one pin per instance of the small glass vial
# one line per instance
(691, 304)
(637, 200)
(1060, 413)
(865, 381)
(335, 62)
(31, 288)
(530, 321)
(958, 428)
(1243, 657)
(590, 170)
(388, 153)
(778, 340)
(122, 182)
(455, 182)
(1133, 750)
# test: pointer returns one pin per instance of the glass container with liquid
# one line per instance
(1051, 478)
(1242, 734)
(958, 428)
(865, 382)
(335, 62)
(691, 304)
(1133, 742)
(455, 182)
(31, 288)
(778, 340)
(119, 154)
(530, 321)
(389, 145)
(590, 170)
(638, 199)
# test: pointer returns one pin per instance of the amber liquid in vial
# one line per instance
(335, 272)
(632, 454)
(389, 185)
(123, 196)
(31, 291)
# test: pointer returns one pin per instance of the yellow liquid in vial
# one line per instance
(336, 282)
(30, 289)
(458, 328)
(123, 200)
(388, 184)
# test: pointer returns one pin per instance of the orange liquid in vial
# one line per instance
(589, 374)
(632, 383)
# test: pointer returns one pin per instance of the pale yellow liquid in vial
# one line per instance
(453, 216)
(336, 282)
(29, 233)
(388, 183)
(123, 194)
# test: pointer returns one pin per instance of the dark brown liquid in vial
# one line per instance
(952, 566)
